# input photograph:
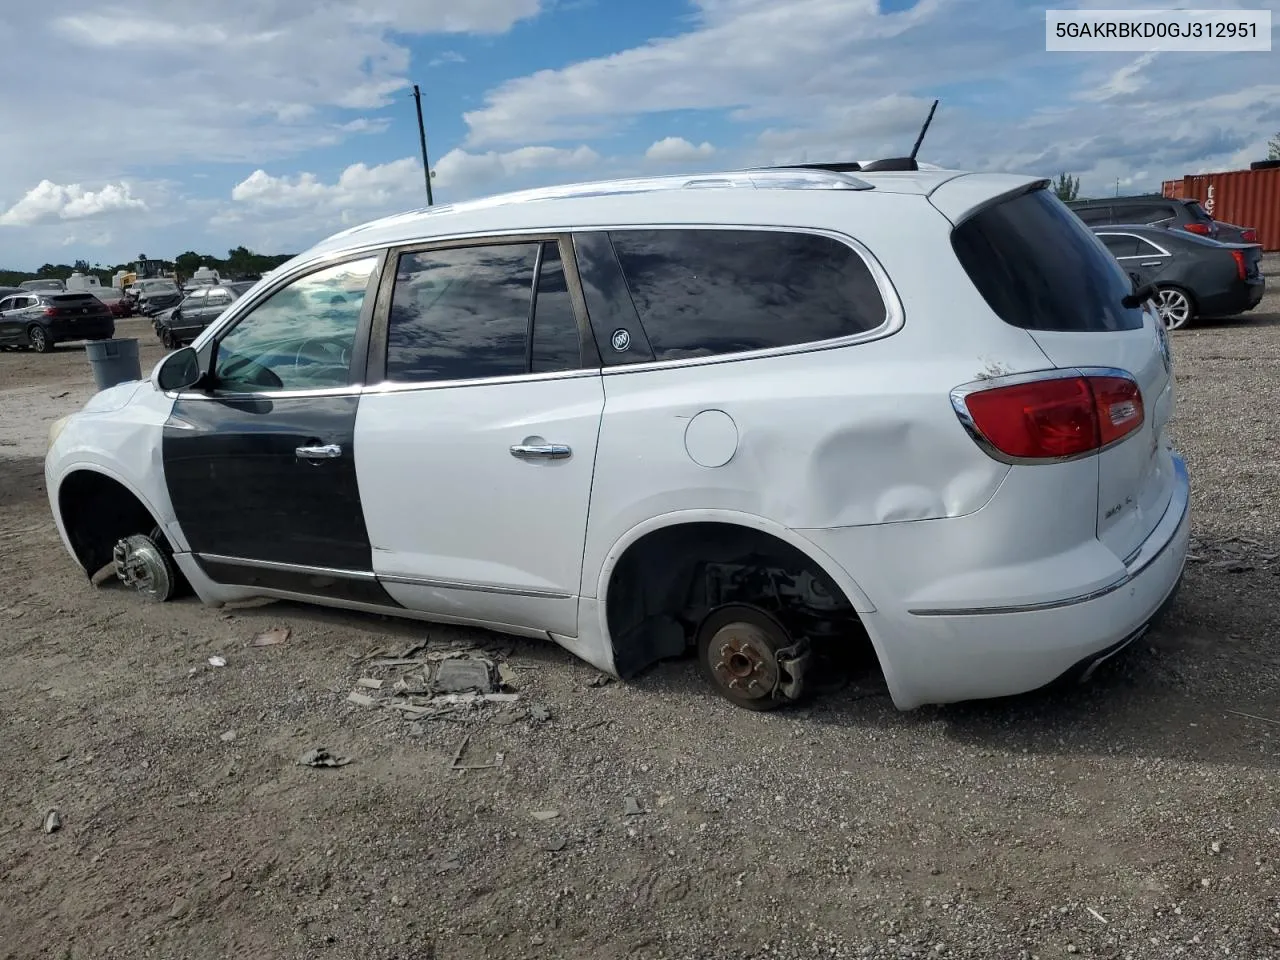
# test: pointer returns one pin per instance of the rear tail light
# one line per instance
(50, 311)
(1201, 228)
(1242, 268)
(1052, 419)
(1249, 235)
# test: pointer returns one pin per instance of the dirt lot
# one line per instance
(1136, 817)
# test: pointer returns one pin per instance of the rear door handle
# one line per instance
(328, 451)
(541, 451)
(1152, 263)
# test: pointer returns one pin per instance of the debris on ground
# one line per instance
(507, 676)
(217, 661)
(631, 807)
(227, 737)
(103, 574)
(545, 814)
(461, 676)
(457, 758)
(321, 757)
(52, 821)
(361, 699)
(369, 683)
(600, 680)
(539, 713)
(271, 638)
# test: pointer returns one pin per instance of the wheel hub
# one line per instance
(744, 661)
(140, 565)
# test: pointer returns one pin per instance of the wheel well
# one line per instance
(97, 512)
(669, 580)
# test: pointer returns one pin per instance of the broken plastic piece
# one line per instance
(321, 757)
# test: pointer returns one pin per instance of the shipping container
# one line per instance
(1247, 198)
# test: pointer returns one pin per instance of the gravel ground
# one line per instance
(1136, 817)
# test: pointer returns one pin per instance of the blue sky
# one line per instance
(159, 126)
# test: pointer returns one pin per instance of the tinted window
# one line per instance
(556, 344)
(1095, 214)
(1040, 268)
(299, 338)
(1120, 245)
(1197, 212)
(705, 292)
(461, 313)
(1143, 212)
(1148, 249)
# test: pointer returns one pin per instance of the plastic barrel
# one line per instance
(114, 361)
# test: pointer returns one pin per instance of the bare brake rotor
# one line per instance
(142, 564)
(749, 657)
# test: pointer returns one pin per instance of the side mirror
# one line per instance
(179, 370)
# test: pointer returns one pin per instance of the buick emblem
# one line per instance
(621, 340)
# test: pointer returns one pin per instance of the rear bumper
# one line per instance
(96, 328)
(1240, 298)
(1002, 648)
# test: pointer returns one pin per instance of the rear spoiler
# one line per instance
(964, 196)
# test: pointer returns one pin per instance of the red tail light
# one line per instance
(1242, 268)
(1054, 418)
(50, 311)
(1201, 228)
(1249, 235)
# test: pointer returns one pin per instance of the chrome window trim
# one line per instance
(1138, 561)
(1140, 239)
(961, 393)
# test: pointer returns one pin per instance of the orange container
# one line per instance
(1247, 198)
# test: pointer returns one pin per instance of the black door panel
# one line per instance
(240, 489)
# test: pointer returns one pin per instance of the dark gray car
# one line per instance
(1170, 212)
(202, 305)
(1194, 277)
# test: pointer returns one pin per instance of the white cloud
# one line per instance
(358, 187)
(449, 56)
(457, 168)
(253, 82)
(1126, 81)
(678, 150)
(48, 201)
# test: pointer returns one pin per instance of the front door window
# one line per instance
(300, 338)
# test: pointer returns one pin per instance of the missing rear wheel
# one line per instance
(749, 657)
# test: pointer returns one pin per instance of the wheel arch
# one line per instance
(812, 554)
(93, 485)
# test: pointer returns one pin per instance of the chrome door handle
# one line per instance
(541, 451)
(1152, 263)
(326, 452)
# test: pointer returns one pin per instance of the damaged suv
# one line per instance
(750, 414)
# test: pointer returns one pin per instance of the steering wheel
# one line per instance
(328, 345)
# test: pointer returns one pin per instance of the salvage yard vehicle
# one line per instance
(1194, 277)
(750, 414)
(41, 319)
(1179, 215)
(201, 306)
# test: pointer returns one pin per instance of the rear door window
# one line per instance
(467, 313)
(1039, 268)
(1120, 244)
(704, 292)
(1093, 215)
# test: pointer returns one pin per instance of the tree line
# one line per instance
(240, 262)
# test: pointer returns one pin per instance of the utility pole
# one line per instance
(422, 138)
(1117, 182)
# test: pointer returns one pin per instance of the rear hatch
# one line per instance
(74, 306)
(1042, 270)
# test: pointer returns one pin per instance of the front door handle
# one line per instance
(541, 451)
(328, 451)
(1152, 263)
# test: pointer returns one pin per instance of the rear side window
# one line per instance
(1198, 212)
(465, 313)
(705, 292)
(1120, 244)
(1094, 214)
(1039, 268)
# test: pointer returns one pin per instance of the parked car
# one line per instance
(119, 305)
(183, 323)
(157, 295)
(758, 415)
(47, 283)
(1194, 277)
(40, 319)
(1176, 214)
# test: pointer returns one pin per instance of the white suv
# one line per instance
(754, 413)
